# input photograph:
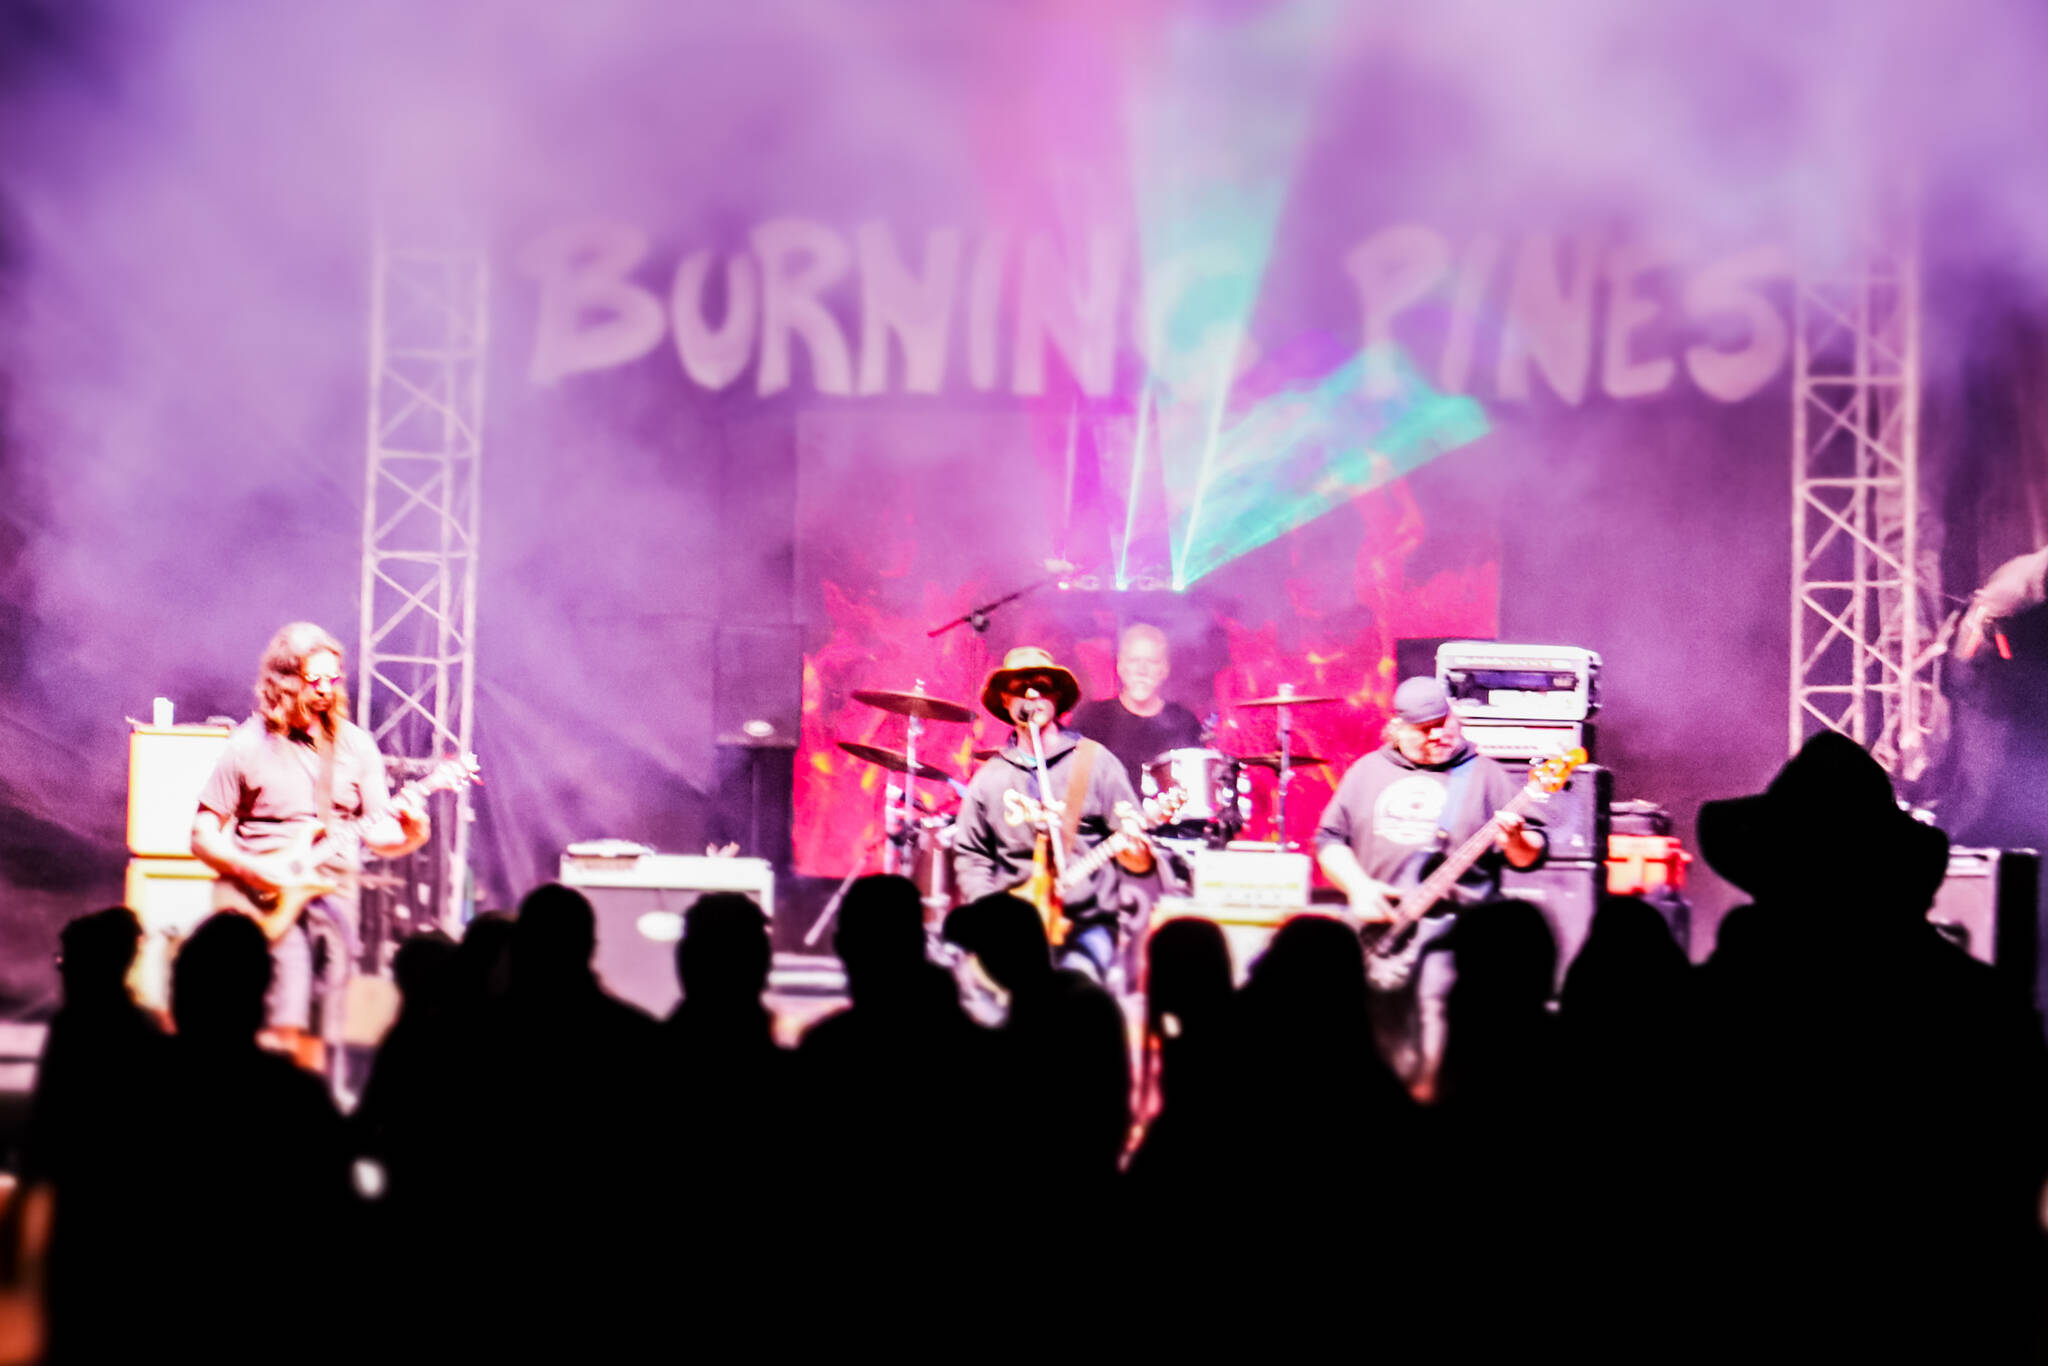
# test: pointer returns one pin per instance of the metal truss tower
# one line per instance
(416, 665)
(1866, 577)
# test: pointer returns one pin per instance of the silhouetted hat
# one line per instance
(1029, 659)
(1421, 699)
(1831, 804)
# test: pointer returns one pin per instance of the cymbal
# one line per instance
(914, 704)
(1293, 760)
(894, 760)
(1283, 700)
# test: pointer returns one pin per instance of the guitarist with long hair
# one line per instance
(1038, 810)
(263, 801)
(1425, 791)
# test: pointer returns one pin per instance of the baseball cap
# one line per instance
(1421, 699)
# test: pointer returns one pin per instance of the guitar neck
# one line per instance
(1088, 863)
(1122, 840)
(1438, 884)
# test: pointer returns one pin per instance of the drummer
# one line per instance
(1138, 725)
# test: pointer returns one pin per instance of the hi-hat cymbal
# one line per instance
(894, 760)
(1284, 700)
(914, 704)
(1293, 760)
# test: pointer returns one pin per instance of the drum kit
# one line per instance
(1215, 787)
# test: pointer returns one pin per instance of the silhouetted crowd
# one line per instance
(1828, 1141)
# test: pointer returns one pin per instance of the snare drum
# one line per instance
(1215, 789)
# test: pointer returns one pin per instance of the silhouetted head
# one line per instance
(483, 960)
(1187, 973)
(1314, 966)
(1507, 960)
(880, 933)
(553, 939)
(219, 981)
(1629, 958)
(1828, 826)
(724, 954)
(422, 966)
(1005, 933)
(95, 952)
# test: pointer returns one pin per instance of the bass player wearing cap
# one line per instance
(1425, 788)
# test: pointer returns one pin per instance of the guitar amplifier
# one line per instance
(1497, 681)
(1987, 904)
(1517, 742)
(640, 898)
(1575, 819)
(1252, 879)
(1246, 931)
(167, 766)
(169, 896)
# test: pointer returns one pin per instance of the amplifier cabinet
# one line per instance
(1575, 819)
(1517, 742)
(169, 896)
(1568, 895)
(637, 932)
(167, 766)
(1988, 905)
(1246, 930)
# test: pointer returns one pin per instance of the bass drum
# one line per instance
(1215, 789)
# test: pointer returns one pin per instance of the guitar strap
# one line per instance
(1454, 795)
(323, 786)
(1454, 801)
(1077, 792)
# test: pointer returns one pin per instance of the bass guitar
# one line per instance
(313, 865)
(1046, 889)
(1393, 946)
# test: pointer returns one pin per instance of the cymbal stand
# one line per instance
(903, 831)
(1286, 732)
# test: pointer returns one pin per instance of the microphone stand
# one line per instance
(977, 617)
(1053, 836)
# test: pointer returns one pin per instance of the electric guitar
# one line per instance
(306, 869)
(1045, 888)
(1393, 946)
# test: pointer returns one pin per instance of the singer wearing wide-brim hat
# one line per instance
(994, 838)
(1027, 661)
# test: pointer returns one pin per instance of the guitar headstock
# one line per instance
(1164, 807)
(1550, 774)
(450, 774)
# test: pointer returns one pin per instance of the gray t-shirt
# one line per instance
(1388, 809)
(265, 785)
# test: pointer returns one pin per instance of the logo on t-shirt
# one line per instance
(1408, 810)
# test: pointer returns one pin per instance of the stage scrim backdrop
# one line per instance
(977, 512)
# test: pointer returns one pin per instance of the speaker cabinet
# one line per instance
(1575, 819)
(167, 766)
(1568, 894)
(1988, 904)
(170, 896)
(637, 932)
